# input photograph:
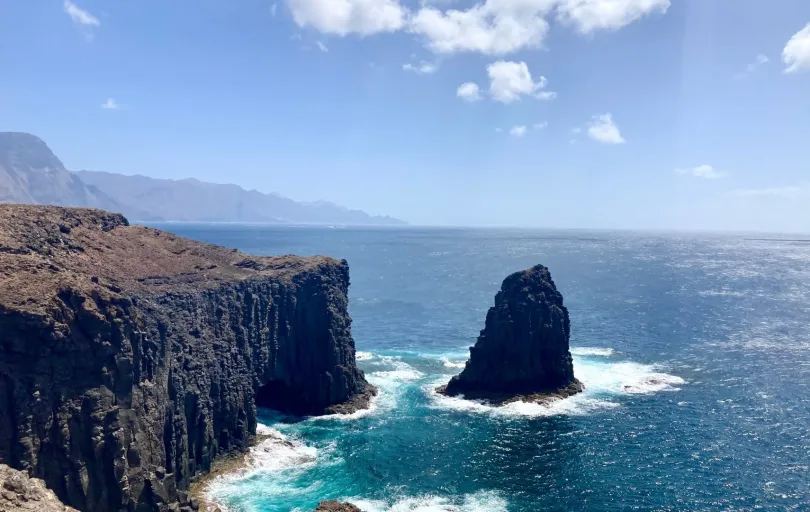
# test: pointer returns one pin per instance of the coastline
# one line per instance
(499, 399)
(236, 463)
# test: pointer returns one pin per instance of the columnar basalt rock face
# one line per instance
(522, 352)
(130, 358)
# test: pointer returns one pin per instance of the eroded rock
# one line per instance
(522, 353)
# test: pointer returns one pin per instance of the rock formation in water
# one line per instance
(336, 506)
(130, 358)
(21, 493)
(522, 353)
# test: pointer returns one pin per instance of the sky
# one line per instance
(629, 114)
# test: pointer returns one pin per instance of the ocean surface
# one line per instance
(694, 350)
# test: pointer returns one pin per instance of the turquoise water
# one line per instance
(695, 353)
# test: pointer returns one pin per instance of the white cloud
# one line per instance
(111, 104)
(752, 67)
(517, 131)
(591, 15)
(273, 9)
(469, 92)
(79, 15)
(576, 130)
(603, 129)
(322, 47)
(495, 27)
(703, 171)
(343, 17)
(796, 54)
(538, 126)
(788, 192)
(510, 80)
(498, 130)
(423, 68)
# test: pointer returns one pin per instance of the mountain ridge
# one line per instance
(31, 173)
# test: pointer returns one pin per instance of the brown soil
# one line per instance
(44, 249)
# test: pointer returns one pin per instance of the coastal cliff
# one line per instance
(130, 358)
(523, 352)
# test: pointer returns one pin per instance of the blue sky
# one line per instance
(672, 114)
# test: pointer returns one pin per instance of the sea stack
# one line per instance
(131, 358)
(522, 353)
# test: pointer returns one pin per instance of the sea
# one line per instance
(694, 350)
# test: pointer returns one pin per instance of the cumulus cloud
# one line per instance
(423, 68)
(517, 131)
(495, 27)
(111, 104)
(796, 54)
(511, 80)
(702, 171)
(342, 17)
(538, 126)
(469, 92)
(603, 129)
(592, 15)
(322, 47)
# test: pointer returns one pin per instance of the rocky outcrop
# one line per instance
(20, 493)
(336, 506)
(522, 353)
(131, 358)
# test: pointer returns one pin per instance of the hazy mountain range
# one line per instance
(31, 173)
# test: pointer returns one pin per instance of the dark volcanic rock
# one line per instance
(522, 352)
(130, 358)
(336, 506)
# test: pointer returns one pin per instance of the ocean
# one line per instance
(694, 350)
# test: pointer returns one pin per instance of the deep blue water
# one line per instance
(695, 351)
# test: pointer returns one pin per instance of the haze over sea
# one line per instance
(694, 349)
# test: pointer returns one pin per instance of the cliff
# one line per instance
(130, 358)
(522, 353)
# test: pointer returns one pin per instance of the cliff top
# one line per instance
(46, 248)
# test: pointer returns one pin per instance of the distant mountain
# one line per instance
(194, 200)
(31, 173)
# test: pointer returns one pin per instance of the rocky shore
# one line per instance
(132, 359)
(523, 351)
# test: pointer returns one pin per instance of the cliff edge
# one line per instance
(21, 493)
(522, 353)
(130, 358)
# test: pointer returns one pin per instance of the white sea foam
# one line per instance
(399, 370)
(477, 502)
(275, 452)
(363, 356)
(575, 405)
(454, 362)
(603, 380)
(592, 351)
(390, 382)
(278, 451)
